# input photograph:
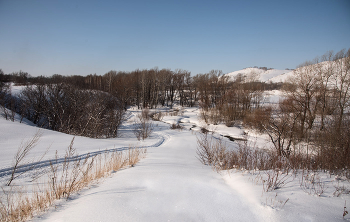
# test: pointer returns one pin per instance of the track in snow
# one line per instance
(46, 163)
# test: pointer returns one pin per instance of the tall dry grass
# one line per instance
(20, 156)
(213, 151)
(63, 180)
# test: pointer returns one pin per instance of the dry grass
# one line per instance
(143, 127)
(64, 179)
(157, 116)
(341, 190)
(20, 156)
(211, 116)
(134, 155)
(213, 151)
(176, 126)
(248, 156)
(311, 183)
(345, 212)
(275, 180)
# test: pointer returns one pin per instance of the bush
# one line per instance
(143, 127)
(212, 151)
(158, 116)
(176, 126)
(65, 109)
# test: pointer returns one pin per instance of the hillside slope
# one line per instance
(273, 75)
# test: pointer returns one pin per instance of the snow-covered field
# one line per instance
(171, 184)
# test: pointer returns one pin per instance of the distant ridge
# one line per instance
(262, 75)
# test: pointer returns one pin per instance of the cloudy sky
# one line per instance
(72, 37)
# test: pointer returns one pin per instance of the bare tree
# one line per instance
(325, 71)
(342, 85)
(304, 95)
(279, 124)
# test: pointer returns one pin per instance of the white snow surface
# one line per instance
(282, 77)
(273, 75)
(171, 184)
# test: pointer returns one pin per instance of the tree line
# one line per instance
(313, 117)
(64, 103)
(313, 114)
(143, 88)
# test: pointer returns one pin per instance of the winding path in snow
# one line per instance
(27, 168)
(170, 184)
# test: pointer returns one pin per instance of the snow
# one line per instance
(13, 134)
(171, 184)
(282, 77)
(16, 90)
(271, 75)
(245, 72)
(290, 202)
(273, 96)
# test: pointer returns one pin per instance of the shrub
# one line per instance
(158, 116)
(212, 151)
(69, 110)
(143, 127)
(176, 126)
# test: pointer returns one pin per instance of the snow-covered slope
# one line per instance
(273, 75)
(282, 77)
(171, 184)
(276, 75)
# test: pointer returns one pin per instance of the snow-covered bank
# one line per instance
(13, 134)
(298, 198)
(169, 185)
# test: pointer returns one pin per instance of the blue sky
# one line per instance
(71, 37)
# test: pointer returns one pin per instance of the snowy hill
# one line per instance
(263, 75)
(282, 77)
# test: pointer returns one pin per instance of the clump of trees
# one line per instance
(228, 101)
(313, 118)
(145, 88)
(66, 109)
(309, 127)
